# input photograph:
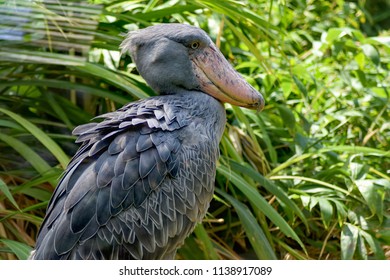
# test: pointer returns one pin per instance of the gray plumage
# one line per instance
(143, 176)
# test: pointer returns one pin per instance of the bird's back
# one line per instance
(141, 180)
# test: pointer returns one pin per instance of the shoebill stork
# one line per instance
(144, 176)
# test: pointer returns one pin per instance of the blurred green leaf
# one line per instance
(22, 251)
(373, 195)
(326, 210)
(114, 78)
(300, 86)
(4, 189)
(287, 116)
(374, 245)
(349, 237)
(333, 34)
(371, 52)
(25, 151)
(207, 244)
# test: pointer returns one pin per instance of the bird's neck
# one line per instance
(208, 111)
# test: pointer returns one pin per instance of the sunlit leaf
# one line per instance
(349, 236)
(373, 195)
(371, 52)
(300, 86)
(373, 244)
(326, 210)
(333, 34)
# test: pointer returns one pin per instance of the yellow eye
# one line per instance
(194, 45)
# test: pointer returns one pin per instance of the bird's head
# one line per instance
(176, 57)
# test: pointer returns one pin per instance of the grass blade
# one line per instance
(254, 232)
(356, 150)
(4, 189)
(21, 250)
(113, 78)
(27, 153)
(52, 146)
(204, 238)
(70, 86)
(319, 182)
(271, 187)
(260, 203)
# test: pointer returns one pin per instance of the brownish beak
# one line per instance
(218, 78)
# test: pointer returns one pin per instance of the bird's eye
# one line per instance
(194, 45)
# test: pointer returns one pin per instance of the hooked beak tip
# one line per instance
(257, 105)
(218, 78)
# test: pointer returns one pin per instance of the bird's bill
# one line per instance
(218, 78)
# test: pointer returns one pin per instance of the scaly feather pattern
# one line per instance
(141, 180)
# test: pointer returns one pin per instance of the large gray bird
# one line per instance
(144, 176)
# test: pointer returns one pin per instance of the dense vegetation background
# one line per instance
(307, 178)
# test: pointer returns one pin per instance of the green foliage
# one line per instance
(307, 178)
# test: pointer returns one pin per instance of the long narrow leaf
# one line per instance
(202, 235)
(113, 78)
(4, 189)
(356, 150)
(27, 153)
(254, 232)
(41, 136)
(271, 187)
(319, 182)
(250, 46)
(71, 86)
(259, 202)
(21, 250)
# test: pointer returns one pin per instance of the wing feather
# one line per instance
(128, 191)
